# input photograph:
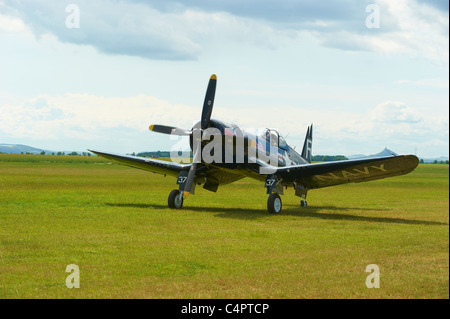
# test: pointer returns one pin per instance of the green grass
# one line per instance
(114, 223)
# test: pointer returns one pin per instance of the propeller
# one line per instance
(169, 130)
(204, 123)
(209, 101)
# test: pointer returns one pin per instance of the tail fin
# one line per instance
(307, 146)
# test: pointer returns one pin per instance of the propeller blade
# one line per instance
(191, 174)
(169, 130)
(206, 116)
(209, 102)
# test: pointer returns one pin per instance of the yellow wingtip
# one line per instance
(151, 127)
(186, 194)
(213, 77)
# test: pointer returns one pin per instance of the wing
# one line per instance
(152, 165)
(213, 175)
(350, 171)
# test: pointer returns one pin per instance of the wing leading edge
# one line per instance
(350, 171)
(148, 164)
(311, 176)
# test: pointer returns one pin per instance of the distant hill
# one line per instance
(19, 148)
(356, 156)
(385, 152)
(25, 149)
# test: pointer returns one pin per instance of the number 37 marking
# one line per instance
(270, 182)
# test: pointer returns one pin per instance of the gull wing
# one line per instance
(325, 174)
(148, 164)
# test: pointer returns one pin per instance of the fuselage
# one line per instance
(241, 147)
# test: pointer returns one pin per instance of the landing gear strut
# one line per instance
(274, 204)
(303, 202)
(175, 199)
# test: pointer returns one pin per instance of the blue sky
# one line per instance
(280, 64)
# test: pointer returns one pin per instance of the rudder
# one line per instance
(307, 145)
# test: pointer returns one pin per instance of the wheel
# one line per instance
(175, 199)
(274, 204)
(303, 203)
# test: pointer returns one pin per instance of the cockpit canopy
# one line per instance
(273, 137)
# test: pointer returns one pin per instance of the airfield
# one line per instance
(113, 222)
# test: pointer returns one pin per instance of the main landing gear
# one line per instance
(275, 189)
(303, 202)
(274, 203)
(175, 199)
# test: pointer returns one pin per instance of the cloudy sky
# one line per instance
(282, 64)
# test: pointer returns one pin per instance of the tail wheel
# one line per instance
(303, 203)
(175, 199)
(274, 204)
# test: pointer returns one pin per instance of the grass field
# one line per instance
(114, 223)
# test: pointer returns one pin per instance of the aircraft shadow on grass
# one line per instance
(313, 212)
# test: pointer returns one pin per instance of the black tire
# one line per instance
(175, 201)
(303, 203)
(274, 204)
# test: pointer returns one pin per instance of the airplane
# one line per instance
(265, 156)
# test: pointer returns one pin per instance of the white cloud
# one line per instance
(90, 118)
(11, 25)
(209, 31)
(434, 82)
(85, 116)
(137, 29)
(407, 27)
(183, 31)
(395, 112)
